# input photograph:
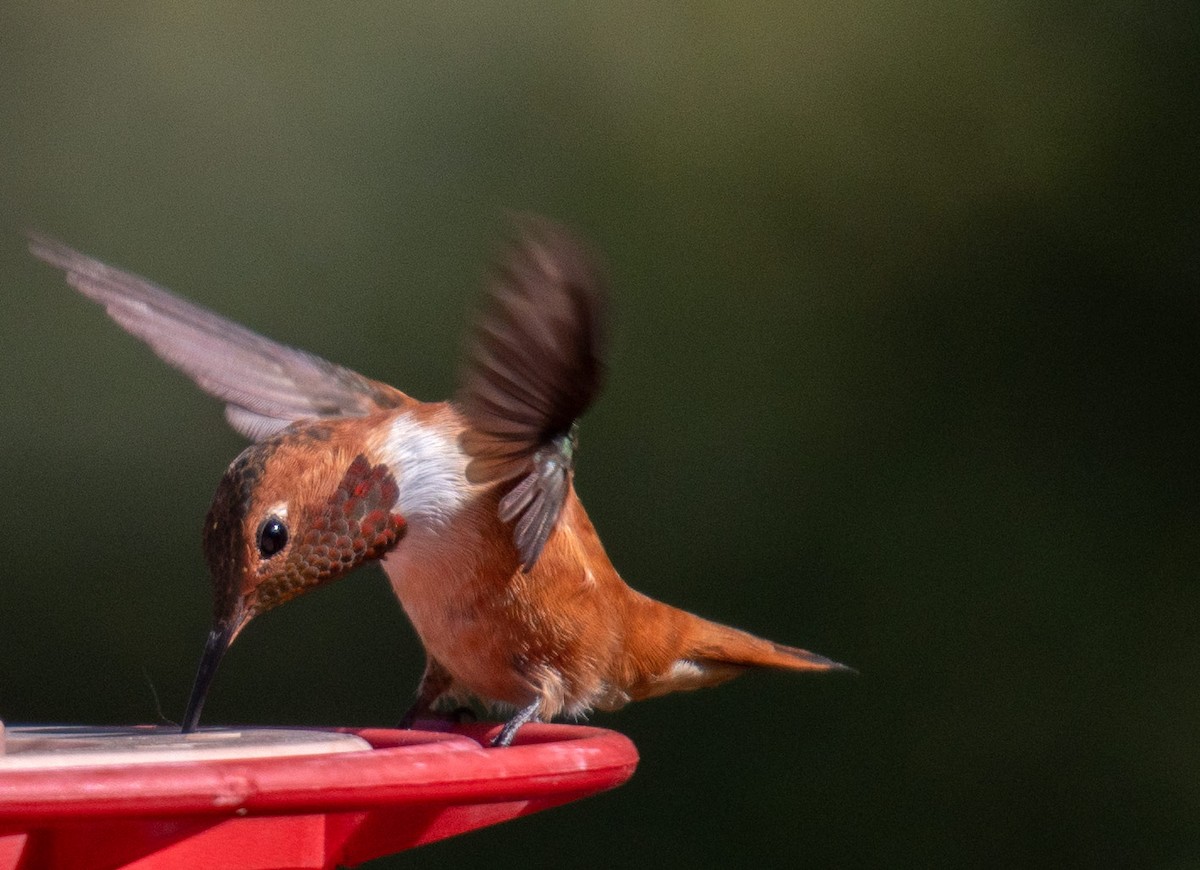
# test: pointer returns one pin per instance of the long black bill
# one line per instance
(218, 641)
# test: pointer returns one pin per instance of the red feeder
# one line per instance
(255, 799)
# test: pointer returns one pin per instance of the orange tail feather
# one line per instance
(723, 645)
(672, 650)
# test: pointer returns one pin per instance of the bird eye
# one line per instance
(272, 536)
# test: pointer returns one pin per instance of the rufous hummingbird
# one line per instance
(469, 504)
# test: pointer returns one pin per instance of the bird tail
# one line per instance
(688, 652)
(729, 647)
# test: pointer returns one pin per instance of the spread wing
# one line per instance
(535, 365)
(266, 386)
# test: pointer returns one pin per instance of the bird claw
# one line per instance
(509, 731)
(458, 716)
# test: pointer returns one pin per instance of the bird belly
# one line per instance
(476, 631)
(498, 638)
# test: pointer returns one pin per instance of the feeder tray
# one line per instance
(150, 798)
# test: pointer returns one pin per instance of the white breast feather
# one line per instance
(430, 469)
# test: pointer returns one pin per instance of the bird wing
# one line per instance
(266, 386)
(535, 364)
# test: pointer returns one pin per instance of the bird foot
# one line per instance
(458, 716)
(509, 731)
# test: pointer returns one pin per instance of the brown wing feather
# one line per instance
(266, 385)
(535, 365)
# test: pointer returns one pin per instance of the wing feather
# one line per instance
(266, 386)
(535, 365)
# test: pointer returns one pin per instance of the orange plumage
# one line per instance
(470, 504)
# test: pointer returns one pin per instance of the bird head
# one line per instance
(288, 516)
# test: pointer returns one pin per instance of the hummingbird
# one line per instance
(469, 504)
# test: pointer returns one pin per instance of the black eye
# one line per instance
(272, 537)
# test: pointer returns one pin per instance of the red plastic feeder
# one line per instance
(253, 799)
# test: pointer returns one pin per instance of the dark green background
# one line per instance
(904, 372)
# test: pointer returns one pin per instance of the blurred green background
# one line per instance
(904, 372)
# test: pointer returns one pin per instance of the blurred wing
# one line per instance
(266, 386)
(535, 365)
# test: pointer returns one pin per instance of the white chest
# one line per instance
(429, 466)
